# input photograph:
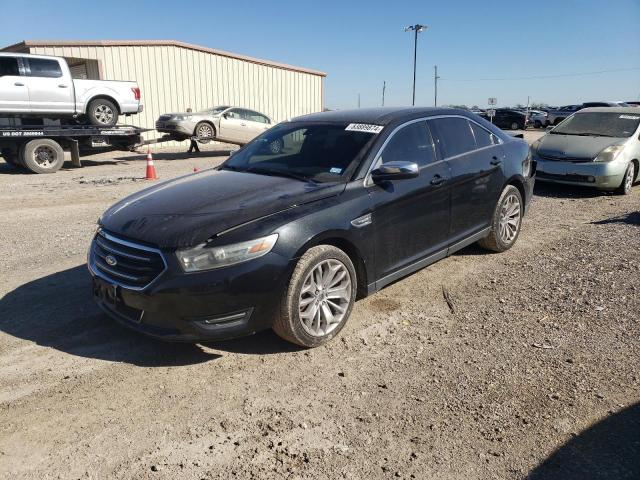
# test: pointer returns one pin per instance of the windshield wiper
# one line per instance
(278, 173)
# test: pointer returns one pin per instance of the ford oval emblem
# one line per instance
(111, 260)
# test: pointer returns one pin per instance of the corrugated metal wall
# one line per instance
(175, 78)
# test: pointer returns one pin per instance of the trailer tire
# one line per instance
(42, 155)
(102, 112)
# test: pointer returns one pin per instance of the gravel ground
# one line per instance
(530, 370)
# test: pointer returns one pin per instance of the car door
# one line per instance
(49, 90)
(474, 157)
(410, 217)
(256, 124)
(14, 94)
(232, 126)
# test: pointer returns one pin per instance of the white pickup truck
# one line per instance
(42, 86)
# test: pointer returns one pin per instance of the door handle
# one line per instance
(18, 84)
(495, 160)
(62, 85)
(437, 180)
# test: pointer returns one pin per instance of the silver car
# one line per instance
(597, 147)
(223, 123)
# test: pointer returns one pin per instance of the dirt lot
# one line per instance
(531, 372)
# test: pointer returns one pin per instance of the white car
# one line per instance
(42, 86)
(537, 118)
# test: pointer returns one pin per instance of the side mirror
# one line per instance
(225, 115)
(395, 171)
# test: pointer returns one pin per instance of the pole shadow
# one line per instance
(609, 450)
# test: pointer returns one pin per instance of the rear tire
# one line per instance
(627, 180)
(102, 113)
(506, 221)
(319, 298)
(42, 155)
(515, 126)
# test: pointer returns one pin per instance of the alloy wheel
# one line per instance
(103, 114)
(325, 297)
(510, 216)
(204, 131)
(628, 178)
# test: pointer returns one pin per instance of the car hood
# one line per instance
(572, 146)
(187, 211)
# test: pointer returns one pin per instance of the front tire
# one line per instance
(319, 298)
(102, 113)
(205, 132)
(42, 155)
(627, 180)
(506, 221)
(515, 126)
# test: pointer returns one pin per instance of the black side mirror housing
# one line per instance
(395, 171)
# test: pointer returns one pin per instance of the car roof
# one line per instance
(380, 115)
(631, 110)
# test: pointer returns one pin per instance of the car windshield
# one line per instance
(309, 152)
(216, 110)
(599, 124)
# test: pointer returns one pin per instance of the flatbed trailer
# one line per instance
(41, 148)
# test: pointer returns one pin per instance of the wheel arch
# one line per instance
(636, 164)
(215, 130)
(104, 97)
(341, 241)
(519, 184)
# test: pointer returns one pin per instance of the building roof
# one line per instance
(378, 116)
(20, 46)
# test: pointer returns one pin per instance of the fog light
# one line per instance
(211, 320)
(591, 179)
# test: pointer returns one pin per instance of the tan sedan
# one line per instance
(223, 123)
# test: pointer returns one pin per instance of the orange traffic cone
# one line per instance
(151, 169)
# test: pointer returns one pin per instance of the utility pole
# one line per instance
(384, 86)
(417, 28)
(435, 83)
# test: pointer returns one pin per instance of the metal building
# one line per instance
(174, 76)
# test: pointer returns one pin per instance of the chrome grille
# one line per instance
(125, 263)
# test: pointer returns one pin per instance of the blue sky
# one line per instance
(480, 47)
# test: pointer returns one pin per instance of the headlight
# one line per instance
(609, 154)
(203, 257)
(182, 117)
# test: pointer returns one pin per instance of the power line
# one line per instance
(538, 77)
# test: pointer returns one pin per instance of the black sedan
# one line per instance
(508, 119)
(355, 200)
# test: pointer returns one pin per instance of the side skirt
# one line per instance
(425, 262)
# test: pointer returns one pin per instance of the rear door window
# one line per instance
(9, 67)
(43, 67)
(453, 136)
(483, 137)
(412, 143)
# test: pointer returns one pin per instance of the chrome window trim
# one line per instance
(368, 182)
(126, 243)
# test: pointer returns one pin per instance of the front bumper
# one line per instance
(601, 175)
(175, 128)
(214, 305)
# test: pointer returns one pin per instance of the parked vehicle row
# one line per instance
(42, 86)
(290, 239)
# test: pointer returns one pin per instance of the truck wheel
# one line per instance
(204, 130)
(102, 113)
(42, 156)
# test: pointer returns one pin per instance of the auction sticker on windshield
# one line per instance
(364, 127)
